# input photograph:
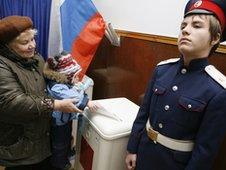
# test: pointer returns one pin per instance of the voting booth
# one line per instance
(103, 135)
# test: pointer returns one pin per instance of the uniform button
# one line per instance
(175, 88)
(189, 106)
(183, 71)
(156, 90)
(166, 107)
(160, 125)
(47, 133)
(33, 69)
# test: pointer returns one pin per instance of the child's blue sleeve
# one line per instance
(62, 91)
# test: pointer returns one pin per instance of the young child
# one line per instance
(63, 82)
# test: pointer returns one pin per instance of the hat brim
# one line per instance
(199, 11)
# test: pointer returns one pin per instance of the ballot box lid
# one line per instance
(114, 118)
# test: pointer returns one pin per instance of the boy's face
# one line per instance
(75, 78)
(194, 40)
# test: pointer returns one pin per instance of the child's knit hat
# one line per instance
(65, 64)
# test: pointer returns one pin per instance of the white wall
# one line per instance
(160, 17)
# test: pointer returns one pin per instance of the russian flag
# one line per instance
(75, 26)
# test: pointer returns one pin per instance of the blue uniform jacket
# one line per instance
(185, 104)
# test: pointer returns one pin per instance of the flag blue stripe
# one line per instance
(75, 14)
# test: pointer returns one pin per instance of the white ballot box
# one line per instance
(103, 135)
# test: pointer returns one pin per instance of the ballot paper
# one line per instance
(101, 110)
(104, 112)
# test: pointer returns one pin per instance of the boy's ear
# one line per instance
(216, 40)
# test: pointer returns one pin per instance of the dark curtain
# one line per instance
(38, 11)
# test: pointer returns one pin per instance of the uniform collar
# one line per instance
(195, 64)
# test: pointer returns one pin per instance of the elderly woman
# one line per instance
(25, 108)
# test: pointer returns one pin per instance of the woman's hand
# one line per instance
(131, 161)
(66, 106)
(92, 105)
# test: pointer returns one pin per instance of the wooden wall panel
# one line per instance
(140, 57)
(134, 55)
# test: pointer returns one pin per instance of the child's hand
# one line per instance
(93, 106)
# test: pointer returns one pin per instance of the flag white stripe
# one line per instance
(55, 45)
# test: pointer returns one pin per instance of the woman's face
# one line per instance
(24, 45)
(194, 39)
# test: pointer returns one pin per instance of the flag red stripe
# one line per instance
(86, 43)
